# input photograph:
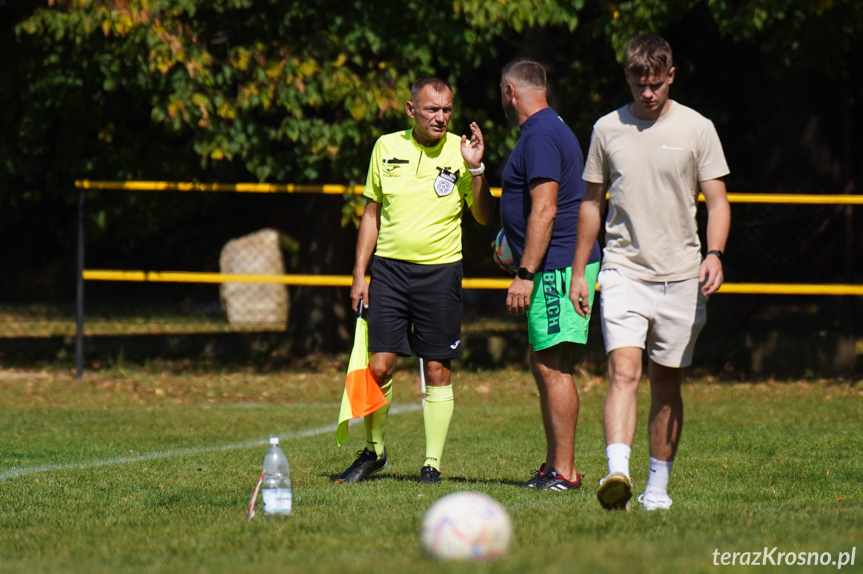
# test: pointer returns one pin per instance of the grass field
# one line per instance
(150, 471)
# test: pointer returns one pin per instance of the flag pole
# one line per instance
(362, 395)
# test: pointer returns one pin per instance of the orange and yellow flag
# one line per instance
(362, 394)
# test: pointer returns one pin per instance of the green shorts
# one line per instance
(551, 317)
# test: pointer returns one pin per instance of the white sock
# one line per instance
(660, 470)
(618, 457)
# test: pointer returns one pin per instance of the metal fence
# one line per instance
(247, 291)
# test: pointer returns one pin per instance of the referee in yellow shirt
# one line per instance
(418, 183)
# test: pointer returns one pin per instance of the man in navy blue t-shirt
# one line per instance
(542, 191)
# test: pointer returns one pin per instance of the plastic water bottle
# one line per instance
(276, 486)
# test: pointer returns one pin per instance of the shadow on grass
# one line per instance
(414, 479)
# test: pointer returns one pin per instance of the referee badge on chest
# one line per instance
(444, 183)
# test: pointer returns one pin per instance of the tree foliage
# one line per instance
(230, 90)
(291, 91)
(816, 34)
(297, 91)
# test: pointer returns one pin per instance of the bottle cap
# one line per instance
(274, 440)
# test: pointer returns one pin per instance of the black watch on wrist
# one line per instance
(716, 252)
(523, 273)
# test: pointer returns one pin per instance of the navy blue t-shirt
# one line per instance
(547, 149)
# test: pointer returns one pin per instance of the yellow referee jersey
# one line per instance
(422, 192)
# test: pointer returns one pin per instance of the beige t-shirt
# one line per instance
(652, 168)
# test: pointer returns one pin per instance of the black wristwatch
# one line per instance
(716, 252)
(523, 273)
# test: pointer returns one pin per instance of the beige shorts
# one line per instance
(663, 318)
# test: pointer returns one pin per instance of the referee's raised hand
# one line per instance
(472, 149)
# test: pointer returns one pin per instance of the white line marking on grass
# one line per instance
(21, 471)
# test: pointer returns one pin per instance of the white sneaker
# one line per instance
(614, 491)
(655, 500)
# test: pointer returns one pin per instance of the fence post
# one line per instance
(79, 330)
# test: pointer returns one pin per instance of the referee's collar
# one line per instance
(428, 150)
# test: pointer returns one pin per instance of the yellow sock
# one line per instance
(437, 413)
(376, 422)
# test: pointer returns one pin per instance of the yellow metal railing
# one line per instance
(329, 189)
(344, 280)
(335, 189)
(469, 283)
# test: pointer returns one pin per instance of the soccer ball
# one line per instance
(466, 526)
(503, 252)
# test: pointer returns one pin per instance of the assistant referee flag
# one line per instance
(362, 394)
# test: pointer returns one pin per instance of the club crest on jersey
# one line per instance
(444, 183)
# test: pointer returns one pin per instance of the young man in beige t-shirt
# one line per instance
(652, 156)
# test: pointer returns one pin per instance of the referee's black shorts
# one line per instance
(415, 303)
